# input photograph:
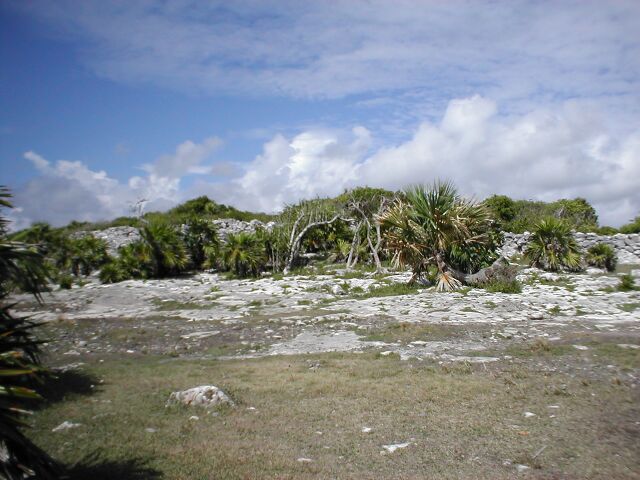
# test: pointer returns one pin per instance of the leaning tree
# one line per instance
(296, 221)
(364, 205)
(427, 228)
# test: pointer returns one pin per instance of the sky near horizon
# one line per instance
(258, 103)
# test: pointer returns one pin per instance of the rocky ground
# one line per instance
(420, 384)
(209, 316)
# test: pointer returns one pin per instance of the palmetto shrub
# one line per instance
(552, 246)
(435, 228)
(202, 242)
(159, 254)
(602, 255)
(21, 266)
(244, 254)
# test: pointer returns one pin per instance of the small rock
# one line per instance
(304, 460)
(521, 468)
(366, 429)
(529, 414)
(194, 417)
(386, 354)
(395, 446)
(150, 430)
(580, 347)
(66, 425)
(202, 396)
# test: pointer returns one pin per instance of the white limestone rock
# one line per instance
(206, 396)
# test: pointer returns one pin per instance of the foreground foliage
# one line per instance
(21, 266)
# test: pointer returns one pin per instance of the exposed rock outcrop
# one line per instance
(627, 247)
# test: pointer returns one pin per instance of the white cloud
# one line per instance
(544, 154)
(187, 158)
(506, 50)
(68, 190)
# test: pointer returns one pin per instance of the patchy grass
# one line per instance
(390, 290)
(168, 305)
(406, 332)
(555, 310)
(503, 287)
(629, 307)
(461, 421)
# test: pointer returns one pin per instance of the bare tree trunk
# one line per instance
(500, 270)
(296, 240)
(354, 243)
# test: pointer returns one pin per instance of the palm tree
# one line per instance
(602, 255)
(168, 252)
(552, 246)
(202, 241)
(21, 266)
(425, 225)
(244, 254)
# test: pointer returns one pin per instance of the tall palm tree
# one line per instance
(243, 253)
(423, 226)
(21, 266)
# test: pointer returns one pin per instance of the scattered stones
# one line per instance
(203, 396)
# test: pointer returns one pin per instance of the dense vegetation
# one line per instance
(433, 230)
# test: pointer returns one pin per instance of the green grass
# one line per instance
(405, 332)
(629, 307)
(390, 290)
(462, 421)
(503, 287)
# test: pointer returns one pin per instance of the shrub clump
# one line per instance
(627, 283)
(552, 247)
(499, 286)
(602, 255)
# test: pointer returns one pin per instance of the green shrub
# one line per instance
(631, 227)
(602, 255)
(21, 265)
(65, 282)
(498, 286)
(244, 254)
(606, 230)
(552, 246)
(627, 283)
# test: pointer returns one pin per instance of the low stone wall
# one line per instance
(115, 237)
(627, 247)
(119, 236)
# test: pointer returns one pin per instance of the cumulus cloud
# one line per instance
(69, 190)
(544, 154)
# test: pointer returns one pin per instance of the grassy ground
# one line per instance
(461, 421)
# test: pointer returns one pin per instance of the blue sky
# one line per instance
(259, 104)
